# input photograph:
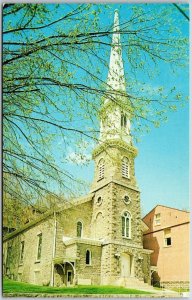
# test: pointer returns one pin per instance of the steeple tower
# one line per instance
(116, 216)
(115, 117)
(115, 135)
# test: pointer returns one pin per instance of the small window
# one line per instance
(157, 219)
(79, 229)
(125, 167)
(101, 168)
(99, 200)
(9, 256)
(88, 257)
(123, 120)
(22, 252)
(167, 237)
(39, 246)
(126, 225)
(168, 241)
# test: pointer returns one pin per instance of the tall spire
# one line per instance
(115, 120)
(116, 78)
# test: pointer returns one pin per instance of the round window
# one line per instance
(99, 200)
(127, 199)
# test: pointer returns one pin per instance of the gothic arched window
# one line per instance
(88, 257)
(98, 225)
(126, 224)
(79, 229)
(125, 167)
(101, 168)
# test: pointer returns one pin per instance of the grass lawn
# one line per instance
(180, 290)
(10, 286)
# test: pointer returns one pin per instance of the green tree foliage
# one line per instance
(55, 60)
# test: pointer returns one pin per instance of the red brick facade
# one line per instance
(168, 236)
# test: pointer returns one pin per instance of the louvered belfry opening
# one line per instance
(125, 167)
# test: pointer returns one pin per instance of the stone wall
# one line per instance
(146, 268)
(107, 221)
(92, 271)
(102, 214)
(67, 219)
(32, 270)
(111, 270)
(175, 284)
(133, 207)
(113, 156)
(109, 205)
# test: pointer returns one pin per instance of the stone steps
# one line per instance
(134, 283)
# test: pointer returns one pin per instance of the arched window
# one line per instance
(99, 200)
(125, 167)
(126, 224)
(123, 120)
(39, 246)
(88, 257)
(101, 168)
(79, 229)
(98, 225)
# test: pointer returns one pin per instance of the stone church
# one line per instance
(96, 239)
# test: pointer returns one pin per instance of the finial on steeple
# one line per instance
(116, 21)
(116, 79)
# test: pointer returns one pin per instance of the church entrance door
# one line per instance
(126, 261)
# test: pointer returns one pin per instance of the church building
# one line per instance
(96, 239)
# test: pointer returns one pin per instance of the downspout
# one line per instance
(54, 249)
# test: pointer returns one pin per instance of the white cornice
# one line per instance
(86, 241)
(114, 143)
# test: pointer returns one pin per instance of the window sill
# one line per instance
(100, 179)
(167, 246)
(37, 261)
(127, 238)
(88, 265)
(20, 264)
(126, 177)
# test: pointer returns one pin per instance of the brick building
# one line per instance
(97, 239)
(168, 236)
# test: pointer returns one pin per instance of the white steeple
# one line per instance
(116, 78)
(115, 119)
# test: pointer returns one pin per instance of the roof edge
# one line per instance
(166, 207)
(67, 205)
